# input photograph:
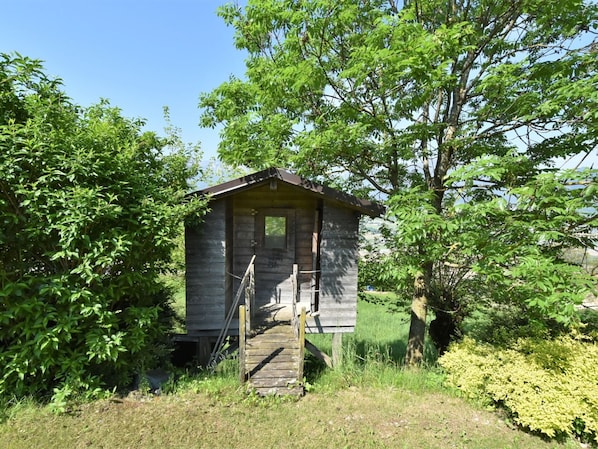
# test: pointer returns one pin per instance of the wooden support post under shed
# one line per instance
(337, 349)
(204, 349)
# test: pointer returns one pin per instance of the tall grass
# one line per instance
(373, 355)
(224, 381)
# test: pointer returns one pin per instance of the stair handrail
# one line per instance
(250, 295)
(219, 346)
(298, 321)
(294, 297)
(302, 318)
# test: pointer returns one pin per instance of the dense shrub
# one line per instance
(549, 386)
(89, 209)
(589, 323)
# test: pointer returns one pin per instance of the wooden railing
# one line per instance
(245, 312)
(248, 287)
(294, 299)
(242, 342)
(301, 344)
(298, 323)
(250, 294)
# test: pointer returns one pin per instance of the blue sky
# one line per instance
(139, 54)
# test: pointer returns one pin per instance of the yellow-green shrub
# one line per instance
(549, 386)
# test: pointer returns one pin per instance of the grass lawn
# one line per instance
(369, 402)
(355, 417)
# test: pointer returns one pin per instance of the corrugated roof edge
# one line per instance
(366, 207)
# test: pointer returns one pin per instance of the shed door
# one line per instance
(275, 256)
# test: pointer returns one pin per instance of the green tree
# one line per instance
(89, 208)
(406, 102)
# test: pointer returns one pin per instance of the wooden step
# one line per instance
(272, 360)
(266, 382)
(258, 358)
(279, 330)
(274, 335)
(287, 355)
(289, 358)
(280, 391)
(265, 369)
(279, 386)
(269, 347)
(281, 371)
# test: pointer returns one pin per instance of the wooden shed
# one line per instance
(298, 237)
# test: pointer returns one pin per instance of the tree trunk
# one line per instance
(419, 310)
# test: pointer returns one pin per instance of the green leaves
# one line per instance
(502, 240)
(520, 256)
(454, 113)
(90, 208)
(547, 385)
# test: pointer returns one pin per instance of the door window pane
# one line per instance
(275, 232)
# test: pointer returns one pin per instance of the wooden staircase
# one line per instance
(271, 357)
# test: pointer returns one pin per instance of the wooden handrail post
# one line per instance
(295, 286)
(295, 283)
(252, 291)
(301, 343)
(242, 336)
(250, 295)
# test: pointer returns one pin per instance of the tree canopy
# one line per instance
(454, 112)
(89, 208)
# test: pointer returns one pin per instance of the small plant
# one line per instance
(307, 386)
(144, 387)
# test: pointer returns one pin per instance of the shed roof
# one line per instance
(366, 207)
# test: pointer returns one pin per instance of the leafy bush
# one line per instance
(548, 386)
(589, 323)
(89, 209)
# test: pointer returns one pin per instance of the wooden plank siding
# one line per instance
(247, 205)
(205, 254)
(229, 283)
(219, 250)
(243, 233)
(338, 263)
